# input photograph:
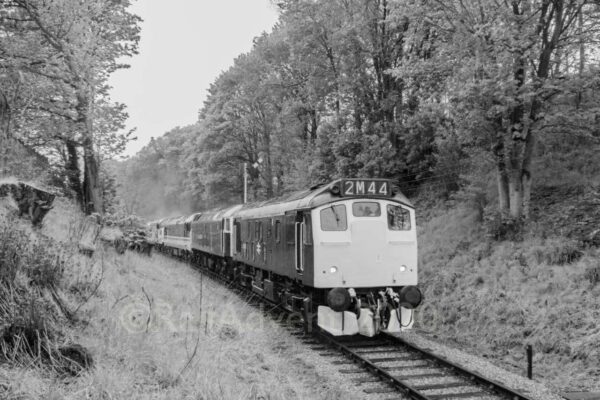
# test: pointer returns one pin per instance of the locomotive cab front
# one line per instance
(365, 259)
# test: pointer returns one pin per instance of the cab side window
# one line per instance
(307, 231)
(333, 218)
(398, 218)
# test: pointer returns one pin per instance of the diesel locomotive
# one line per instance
(343, 254)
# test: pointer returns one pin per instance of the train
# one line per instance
(343, 254)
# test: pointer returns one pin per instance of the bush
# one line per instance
(12, 248)
(565, 252)
(500, 227)
(38, 257)
(592, 273)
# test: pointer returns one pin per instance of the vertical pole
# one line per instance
(529, 361)
(245, 183)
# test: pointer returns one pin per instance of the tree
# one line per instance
(502, 55)
(74, 45)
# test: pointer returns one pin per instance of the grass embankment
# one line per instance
(160, 331)
(157, 330)
(43, 284)
(495, 297)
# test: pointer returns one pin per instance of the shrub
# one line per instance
(592, 273)
(12, 248)
(500, 227)
(565, 252)
(40, 258)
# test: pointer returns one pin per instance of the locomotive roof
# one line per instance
(193, 217)
(178, 220)
(217, 214)
(305, 199)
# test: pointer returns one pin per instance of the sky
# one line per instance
(184, 46)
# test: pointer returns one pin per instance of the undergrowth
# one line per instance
(495, 294)
(33, 308)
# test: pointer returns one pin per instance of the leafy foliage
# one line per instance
(438, 96)
(56, 58)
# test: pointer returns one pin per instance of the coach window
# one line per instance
(333, 218)
(366, 209)
(269, 229)
(398, 218)
(238, 236)
(248, 230)
(277, 231)
(260, 231)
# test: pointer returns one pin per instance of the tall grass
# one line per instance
(162, 331)
(495, 298)
(159, 330)
(30, 271)
(38, 304)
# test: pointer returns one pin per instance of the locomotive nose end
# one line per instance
(338, 299)
(410, 297)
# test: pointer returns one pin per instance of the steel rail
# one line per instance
(371, 367)
(489, 386)
(497, 387)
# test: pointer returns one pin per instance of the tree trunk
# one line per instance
(92, 192)
(503, 201)
(514, 184)
(336, 85)
(4, 139)
(269, 174)
(526, 172)
(313, 125)
(268, 168)
(73, 171)
(581, 57)
(515, 191)
(526, 184)
(501, 173)
(581, 45)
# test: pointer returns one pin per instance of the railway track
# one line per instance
(396, 366)
(386, 364)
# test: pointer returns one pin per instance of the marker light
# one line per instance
(403, 268)
(333, 270)
(335, 190)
